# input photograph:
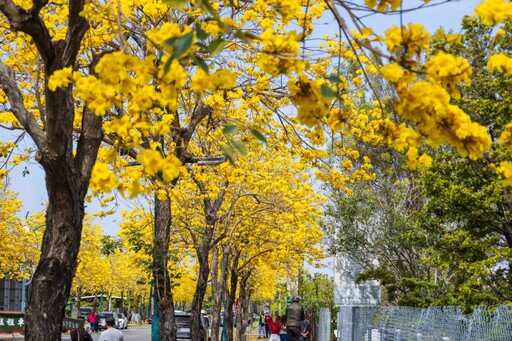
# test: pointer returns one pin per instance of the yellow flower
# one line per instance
(413, 38)
(501, 63)
(506, 137)
(171, 168)
(493, 12)
(151, 160)
(504, 171)
(392, 72)
(60, 78)
(449, 70)
(102, 178)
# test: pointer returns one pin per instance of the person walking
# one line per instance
(111, 333)
(268, 321)
(275, 328)
(261, 326)
(283, 336)
(294, 318)
(93, 320)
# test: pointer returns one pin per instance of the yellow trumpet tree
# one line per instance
(141, 77)
(233, 218)
(93, 268)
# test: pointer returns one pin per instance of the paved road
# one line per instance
(133, 333)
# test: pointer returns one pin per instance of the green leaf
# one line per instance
(167, 64)
(216, 46)
(240, 146)
(201, 63)
(326, 91)
(230, 153)
(259, 135)
(244, 36)
(180, 45)
(206, 6)
(334, 78)
(201, 34)
(229, 129)
(176, 3)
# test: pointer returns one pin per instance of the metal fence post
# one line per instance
(397, 335)
(419, 337)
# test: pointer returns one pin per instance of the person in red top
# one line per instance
(93, 320)
(275, 327)
(268, 321)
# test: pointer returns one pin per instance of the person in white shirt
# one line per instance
(111, 333)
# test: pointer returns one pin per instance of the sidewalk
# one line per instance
(15, 336)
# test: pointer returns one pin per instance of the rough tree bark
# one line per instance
(211, 209)
(165, 302)
(67, 175)
(217, 289)
(243, 315)
(231, 292)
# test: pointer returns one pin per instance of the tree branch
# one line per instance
(29, 22)
(18, 108)
(76, 30)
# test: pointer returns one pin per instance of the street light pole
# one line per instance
(155, 323)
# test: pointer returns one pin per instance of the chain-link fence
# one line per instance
(428, 324)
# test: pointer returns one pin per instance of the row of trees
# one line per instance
(267, 228)
(127, 95)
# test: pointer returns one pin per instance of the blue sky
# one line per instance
(31, 187)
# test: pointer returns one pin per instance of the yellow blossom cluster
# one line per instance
(221, 79)
(506, 137)
(415, 161)
(413, 39)
(383, 5)
(279, 54)
(500, 62)
(428, 106)
(450, 38)
(337, 118)
(306, 94)
(400, 136)
(154, 164)
(504, 171)
(449, 70)
(287, 9)
(493, 12)
(218, 27)
(102, 178)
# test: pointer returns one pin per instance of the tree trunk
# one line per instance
(217, 294)
(52, 279)
(202, 281)
(243, 306)
(230, 297)
(211, 209)
(78, 302)
(165, 303)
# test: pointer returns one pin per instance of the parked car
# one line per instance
(102, 319)
(84, 313)
(183, 322)
(123, 321)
